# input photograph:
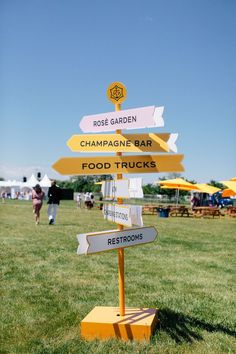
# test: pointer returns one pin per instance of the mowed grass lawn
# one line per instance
(188, 273)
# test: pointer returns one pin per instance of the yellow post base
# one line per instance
(105, 323)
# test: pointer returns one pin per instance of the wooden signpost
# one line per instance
(112, 322)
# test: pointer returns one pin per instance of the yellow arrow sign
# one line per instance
(123, 143)
(119, 164)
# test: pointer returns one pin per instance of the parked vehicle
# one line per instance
(218, 200)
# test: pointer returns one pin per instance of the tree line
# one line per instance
(91, 184)
(85, 184)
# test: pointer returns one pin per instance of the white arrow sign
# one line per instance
(136, 118)
(126, 215)
(123, 188)
(112, 239)
(135, 188)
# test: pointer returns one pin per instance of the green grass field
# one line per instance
(188, 273)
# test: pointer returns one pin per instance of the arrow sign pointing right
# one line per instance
(136, 118)
(109, 240)
(123, 142)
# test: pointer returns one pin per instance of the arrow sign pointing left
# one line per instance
(122, 188)
(109, 240)
(101, 165)
(136, 118)
(126, 215)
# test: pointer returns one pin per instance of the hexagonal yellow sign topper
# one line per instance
(116, 92)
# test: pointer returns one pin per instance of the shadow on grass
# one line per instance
(182, 328)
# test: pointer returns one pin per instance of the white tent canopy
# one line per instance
(11, 187)
(5, 183)
(45, 182)
(10, 183)
(31, 182)
(5, 186)
(14, 187)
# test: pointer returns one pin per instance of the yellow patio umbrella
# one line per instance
(206, 188)
(178, 184)
(182, 188)
(230, 184)
(231, 190)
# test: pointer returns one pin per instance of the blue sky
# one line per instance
(58, 58)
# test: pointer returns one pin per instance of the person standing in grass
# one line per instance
(54, 197)
(87, 201)
(78, 199)
(37, 199)
(3, 196)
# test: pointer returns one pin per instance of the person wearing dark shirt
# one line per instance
(54, 197)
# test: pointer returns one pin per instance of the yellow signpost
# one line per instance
(118, 143)
(105, 318)
(116, 93)
(111, 322)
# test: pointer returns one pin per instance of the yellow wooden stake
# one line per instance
(121, 260)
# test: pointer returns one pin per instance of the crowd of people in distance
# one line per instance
(87, 199)
(206, 200)
(54, 197)
(54, 194)
(26, 195)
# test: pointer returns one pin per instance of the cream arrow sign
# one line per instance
(112, 239)
(136, 118)
(126, 215)
(122, 188)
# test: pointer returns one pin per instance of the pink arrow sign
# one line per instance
(136, 118)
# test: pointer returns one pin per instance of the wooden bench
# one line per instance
(231, 211)
(207, 211)
(150, 209)
(180, 211)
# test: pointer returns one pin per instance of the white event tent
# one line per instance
(30, 183)
(10, 187)
(45, 182)
(13, 187)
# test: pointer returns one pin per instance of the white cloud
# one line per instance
(148, 19)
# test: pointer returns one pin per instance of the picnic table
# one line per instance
(180, 210)
(231, 210)
(150, 209)
(204, 211)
